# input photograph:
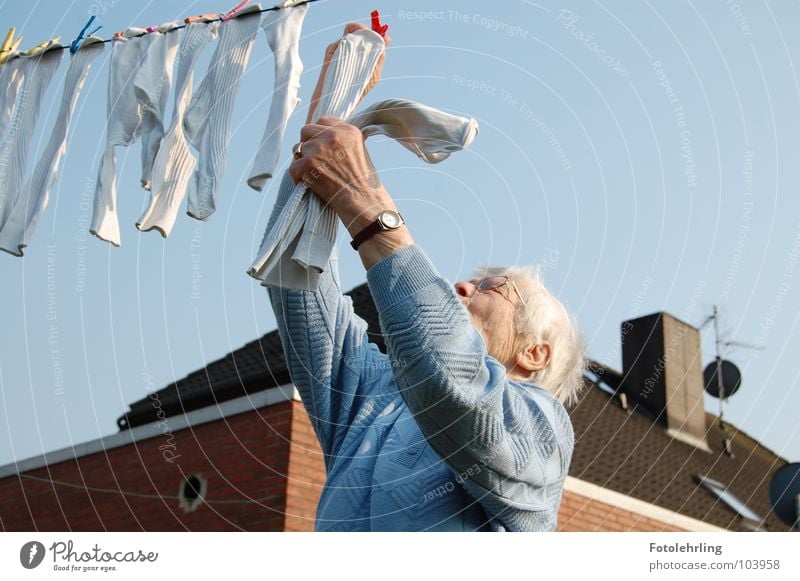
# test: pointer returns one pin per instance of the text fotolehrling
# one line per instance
(686, 548)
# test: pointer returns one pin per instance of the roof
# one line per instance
(630, 452)
(627, 451)
(257, 366)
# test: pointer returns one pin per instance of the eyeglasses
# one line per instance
(491, 283)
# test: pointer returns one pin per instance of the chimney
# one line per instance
(661, 372)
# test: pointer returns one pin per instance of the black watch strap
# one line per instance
(375, 227)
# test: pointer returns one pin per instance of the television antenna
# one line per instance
(721, 377)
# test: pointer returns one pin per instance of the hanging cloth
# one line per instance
(38, 72)
(348, 74)
(18, 229)
(174, 163)
(152, 84)
(282, 29)
(207, 124)
(12, 73)
(122, 128)
(299, 240)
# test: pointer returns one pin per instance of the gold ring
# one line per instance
(297, 150)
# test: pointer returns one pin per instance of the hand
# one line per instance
(329, 52)
(335, 165)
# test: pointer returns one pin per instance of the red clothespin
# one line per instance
(376, 24)
(231, 13)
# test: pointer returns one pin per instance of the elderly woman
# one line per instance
(461, 426)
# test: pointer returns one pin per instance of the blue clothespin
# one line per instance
(73, 48)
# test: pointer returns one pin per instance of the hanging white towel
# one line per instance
(348, 74)
(12, 72)
(122, 128)
(282, 29)
(207, 124)
(18, 229)
(174, 163)
(152, 84)
(15, 147)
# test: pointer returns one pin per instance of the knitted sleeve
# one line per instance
(331, 361)
(509, 442)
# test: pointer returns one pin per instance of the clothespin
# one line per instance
(9, 45)
(210, 17)
(43, 47)
(376, 24)
(73, 47)
(233, 11)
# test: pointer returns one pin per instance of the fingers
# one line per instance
(301, 166)
(353, 26)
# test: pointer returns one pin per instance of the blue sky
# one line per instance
(645, 154)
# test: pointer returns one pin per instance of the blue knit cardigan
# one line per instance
(432, 436)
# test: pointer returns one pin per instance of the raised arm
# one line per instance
(330, 359)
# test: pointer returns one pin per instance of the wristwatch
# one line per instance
(386, 220)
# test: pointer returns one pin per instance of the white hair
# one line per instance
(544, 318)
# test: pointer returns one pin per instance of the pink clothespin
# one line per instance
(210, 17)
(231, 13)
(376, 24)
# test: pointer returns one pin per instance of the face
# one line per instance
(492, 313)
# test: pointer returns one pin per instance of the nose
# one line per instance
(465, 289)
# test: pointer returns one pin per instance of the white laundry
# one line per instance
(122, 128)
(175, 162)
(152, 84)
(430, 134)
(12, 71)
(18, 229)
(15, 145)
(282, 28)
(349, 73)
(207, 124)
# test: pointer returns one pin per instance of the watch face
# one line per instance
(390, 220)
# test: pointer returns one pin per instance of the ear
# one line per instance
(535, 356)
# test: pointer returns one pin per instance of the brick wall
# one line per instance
(581, 514)
(243, 456)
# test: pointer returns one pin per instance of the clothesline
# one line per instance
(184, 160)
(179, 27)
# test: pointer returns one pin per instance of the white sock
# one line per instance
(174, 162)
(282, 28)
(428, 133)
(347, 77)
(15, 147)
(11, 75)
(214, 109)
(122, 128)
(152, 83)
(18, 229)
(206, 124)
